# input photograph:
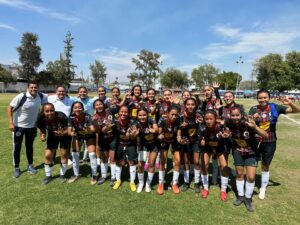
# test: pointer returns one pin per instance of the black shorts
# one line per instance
(191, 147)
(54, 141)
(244, 160)
(164, 146)
(129, 151)
(107, 145)
(149, 147)
(218, 150)
(267, 151)
(90, 140)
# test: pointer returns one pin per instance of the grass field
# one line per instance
(26, 201)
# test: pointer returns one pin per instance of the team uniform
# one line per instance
(152, 109)
(133, 106)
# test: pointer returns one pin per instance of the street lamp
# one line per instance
(239, 62)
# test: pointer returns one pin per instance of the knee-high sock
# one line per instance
(205, 181)
(249, 189)
(63, 169)
(197, 176)
(48, 170)
(118, 172)
(265, 175)
(141, 178)
(150, 178)
(93, 161)
(113, 171)
(240, 186)
(175, 177)
(75, 156)
(161, 176)
(186, 175)
(103, 169)
(224, 183)
(132, 170)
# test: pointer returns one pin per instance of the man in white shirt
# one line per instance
(22, 115)
(61, 101)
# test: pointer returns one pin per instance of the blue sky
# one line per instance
(185, 33)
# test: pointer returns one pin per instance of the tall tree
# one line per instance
(204, 74)
(70, 73)
(29, 56)
(147, 67)
(6, 76)
(133, 77)
(174, 78)
(228, 80)
(273, 73)
(58, 71)
(98, 71)
(292, 60)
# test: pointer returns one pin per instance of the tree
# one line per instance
(273, 73)
(70, 73)
(174, 78)
(133, 77)
(204, 74)
(147, 67)
(98, 72)
(6, 76)
(29, 56)
(58, 71)
(292, 59)
(46, 78)
(228, 80)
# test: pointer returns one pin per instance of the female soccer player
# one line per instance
(81, 128)
(54, 124)
(266, 114)
(188, 138)
(134, 100)
(126, 147)
(148, 131)
(168, 127)
(105, 140)
(245, 153)
(213, 135)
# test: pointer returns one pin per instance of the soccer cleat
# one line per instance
(160, 189)
(239, 200)
(223, 196)
(62, 178)
(117, 185)
(184, 187)
(94, 180)
(73, 179)
(132, 186)
(112, 182)
(148, 188)
(101, 180)
(17, 172)
(140, 188)
(248, 204)
(197, 187)
(31, 170)
(204, 193)
(46, 180)
(262, 193)
(175, 189)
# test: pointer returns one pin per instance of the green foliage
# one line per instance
(29, 56)
(147, 67)
(133, 78)
(70, 73)
(292, 60)
(6, 76)
(204, 74)
(98, 71)
(174, 78)
(58, 72)
(228, 80)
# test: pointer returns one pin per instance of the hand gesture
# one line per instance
(285, 101)
(218, 104)
(215, 85)
(161, 137)
(174, 99)
(251, 122)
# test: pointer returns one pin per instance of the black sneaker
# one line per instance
(248, 204)
(197, 187)
(101, 180)
(47, 180)
(112, 182)
(17, 172)
(62, 179)
(239, 200)
(184, 187)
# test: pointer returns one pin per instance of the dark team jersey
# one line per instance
(189, 126)
(211, 136)
(146, 137)
(152, 109)
(265, 121)
(121, 130)
(133, 106)
(103, 120)
(164, 108)
(243, 138)
(225, 111)
(59, 122)
(114, 108)
(169, 129)
(79, 126)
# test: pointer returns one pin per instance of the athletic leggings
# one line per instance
(30, 134)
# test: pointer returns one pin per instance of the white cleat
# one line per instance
(140, 188)
(262, 193)
(148, 188)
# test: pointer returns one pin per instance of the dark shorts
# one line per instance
(90, 140)
(149, 148)
(244, 160)
(164, 146)
(221, 149)
(106, 145)
(191, 147)
(129, 151)
(54, 141)
(267, 151)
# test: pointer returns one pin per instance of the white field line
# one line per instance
(293, 120)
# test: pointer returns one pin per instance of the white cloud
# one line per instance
(250, 43)
(5, 26)
(29, 6)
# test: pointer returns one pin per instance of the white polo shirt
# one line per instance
(63, 106)
(26, 115)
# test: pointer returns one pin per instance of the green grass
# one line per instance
(27, 201)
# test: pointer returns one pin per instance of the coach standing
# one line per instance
(22, 115)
